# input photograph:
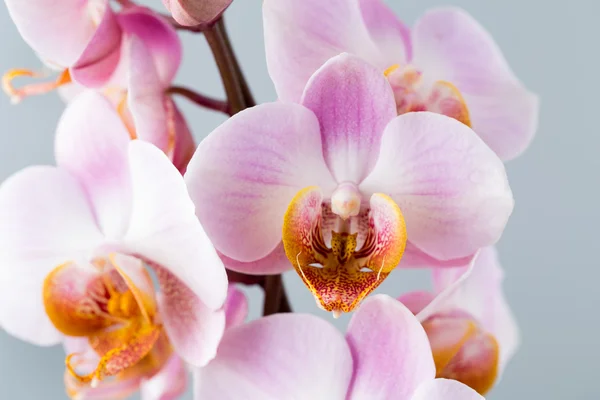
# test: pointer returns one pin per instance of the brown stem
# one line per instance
(200, 99)
(231, 75)
(275, 297)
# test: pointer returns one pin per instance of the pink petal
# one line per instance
(163, 219)
(146, 96)
(193, 328)
(58, 30)
(479, 292)
(194, 12)
(387, 31)
(416, 301)
(236, 307)
(450, 45)
(168, 384)
(293, 355)
(45, 221)
(328, 29)
(158, 36)
(353, 103)
(273, 263)
(390, 349)
(445, 389)
(91, 143)
(416, 258)
(451, 188)
(245, 173)
(96, 64)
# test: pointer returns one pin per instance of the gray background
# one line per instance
(548, 249)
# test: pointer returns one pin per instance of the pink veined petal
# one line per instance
(236, 307)
(193, 12)
(193, 328)
(168, 384)
(445, 389)
(96, 64)
(163, 219)
(451, 188)
(450, 45)
(416, 258)
(159, 37)
(146, 96)
(45, 221)
(273, 263)
(390, 349)
(479, 292)
(328, 29)
(353, 103)
(185, 145)
(390, 35)
(280, 357)
(91, 143)
(244, 174)
(58, 30)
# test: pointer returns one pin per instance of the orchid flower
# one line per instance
(196, 12)
(86, 42)
(472, 331)
(332, 181)
(447, 63)
(385, 355)
(76, 241)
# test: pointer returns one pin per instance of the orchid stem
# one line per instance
(200, 99)
(236, 88)
(276, 300)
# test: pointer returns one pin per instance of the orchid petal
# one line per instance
(163, 219)
(390, 35)
(168, 384)
(245, 173)
(193, 328)
(416, 258)
(449, 45)
(58, 31)
(451, 188)
(45, 221)
(91, 143)
(275, 262)
(353, 103)
(328, 29)
(390, 349)
(158, 36)
(98, 61)
(236, 307)
(479, 292)
(445, 389)
(268, 358)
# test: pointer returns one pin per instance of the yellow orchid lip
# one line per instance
(342, 270)
(114, 311)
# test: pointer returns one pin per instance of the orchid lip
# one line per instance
(331, 254)
(111, 304)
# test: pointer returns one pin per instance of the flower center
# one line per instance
(463, 351)
(413, 92)
(343, 251)
(111, 303)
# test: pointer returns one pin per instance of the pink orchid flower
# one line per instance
(85, 41)
(470, 327)
(331, 182)
(196, 12)
(447, 63)
(76, 240)
(385, 355)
